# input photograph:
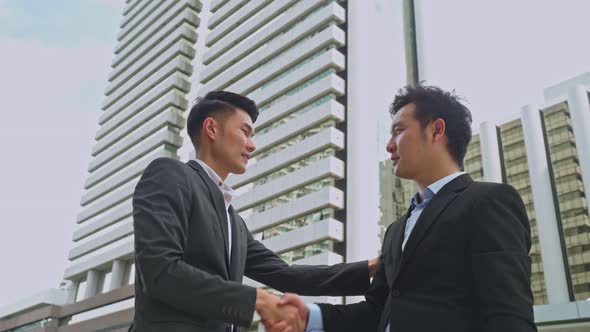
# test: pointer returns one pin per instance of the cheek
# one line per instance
(407, 149)
(399, 142)
(238, 145)
(237, 142)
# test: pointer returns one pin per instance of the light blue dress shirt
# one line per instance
(315, 322)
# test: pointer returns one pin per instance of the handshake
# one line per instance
(288, 313)
(285, 314)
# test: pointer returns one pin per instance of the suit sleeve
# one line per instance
(500, 240)
(266, 267)
(362, 316)
(365, 315)
(161, 210)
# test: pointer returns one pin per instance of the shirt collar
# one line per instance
(438, 185)
(433, 189)
(227, 191)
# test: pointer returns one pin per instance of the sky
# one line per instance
(498, 55)
(501, 54)
(55, 58)
(54, 61)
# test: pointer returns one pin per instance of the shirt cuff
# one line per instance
(315, 322)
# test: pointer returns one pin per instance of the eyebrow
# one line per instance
(250, 129)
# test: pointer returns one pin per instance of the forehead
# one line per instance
(405, 114)
(240, 116)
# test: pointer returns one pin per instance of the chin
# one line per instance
(399, 173)
(239, 169)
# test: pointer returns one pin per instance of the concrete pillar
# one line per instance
(549, 240)
(579, 108)
(412, 69)
(364, 102)
(71, 287)
(93, 283)
(362, 202)
(490, 152)
(117, 274)
(130, 273)
(422, 47)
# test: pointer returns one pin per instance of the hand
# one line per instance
(296, 301)
(274, 326)
(278, 318)
(289, 299)
(373, 266)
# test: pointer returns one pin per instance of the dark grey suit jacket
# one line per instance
(465, 267)
(185, 280)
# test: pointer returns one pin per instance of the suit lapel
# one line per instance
(218, 203)
(430, 214)
(397, 237)
(392, 244)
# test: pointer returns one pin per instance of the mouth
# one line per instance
(245, 157)
(395, 160)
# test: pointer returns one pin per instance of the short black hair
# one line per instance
(433, 103)
(216, 102)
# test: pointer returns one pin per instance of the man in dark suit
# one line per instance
(458, 260)
(192, 248)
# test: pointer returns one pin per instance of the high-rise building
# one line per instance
(303, 195)
(539, 154)
(142, 119)
(515, 164)
(287, 57)
(395, 195)
(146, 96)
(310, 192)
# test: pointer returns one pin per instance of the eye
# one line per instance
(397, 131)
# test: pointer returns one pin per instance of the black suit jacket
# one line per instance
(185, 280)
(465, 267)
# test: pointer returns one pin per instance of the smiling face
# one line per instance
(233, 143)
(409, 146)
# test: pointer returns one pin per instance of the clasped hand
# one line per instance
(285, 314)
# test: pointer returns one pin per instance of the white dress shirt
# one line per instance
(227, 192)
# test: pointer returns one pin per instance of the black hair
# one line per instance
(433, 103)
(216, 102)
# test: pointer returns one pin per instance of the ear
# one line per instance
(438, 129)
(210, 128)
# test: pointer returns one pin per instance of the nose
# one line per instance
(250, 146)
(390, 146)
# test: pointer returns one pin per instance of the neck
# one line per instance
(431, 176)
(212, 162)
